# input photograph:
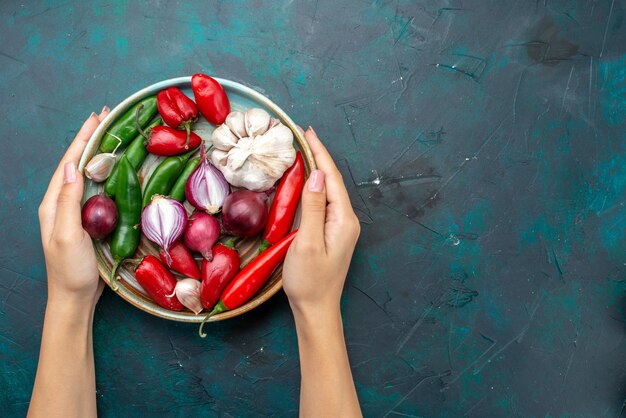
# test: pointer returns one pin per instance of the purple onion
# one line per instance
(206, 188)
(245, 213)
(163, 221)
(202, 233)
(99, 216)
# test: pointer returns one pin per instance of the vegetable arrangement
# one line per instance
(198, 195)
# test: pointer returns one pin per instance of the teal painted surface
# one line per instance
(484, 147)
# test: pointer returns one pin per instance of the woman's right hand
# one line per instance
(314, 274)
(317, 263)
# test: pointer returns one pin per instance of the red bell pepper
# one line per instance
(211, 98)
(176, 109)
(285, 203)
(251, 278)
(217, 273)
(167, 141)
(158, 282)
(182, 261)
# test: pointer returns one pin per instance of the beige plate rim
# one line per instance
(126, 292)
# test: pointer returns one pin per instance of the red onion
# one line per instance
(206, 188)
(163, 221)
(244, 213)
(202, 232)
(99, 216)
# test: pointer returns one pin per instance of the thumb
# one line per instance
(313, 209)
(68, 212)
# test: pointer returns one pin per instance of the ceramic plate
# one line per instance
(241, 98)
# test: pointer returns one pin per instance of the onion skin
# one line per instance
(206, 187)
(203, 231)
(244, 213)
(99, 216)
(163, 221)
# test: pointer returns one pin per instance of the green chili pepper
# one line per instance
(127, 232)
(136, 153)
(178, 190)
(164, 176)
(125, 128)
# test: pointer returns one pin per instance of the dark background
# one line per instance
(483, 144)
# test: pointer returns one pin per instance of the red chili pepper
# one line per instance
(159, 282)
(217, 273)
(182, 261)
(176, 109)
(285, 203)
(167, 141)
(211, 98)
(251, 278)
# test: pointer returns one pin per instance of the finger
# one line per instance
(336, 192)
(104, 113)
(67, 224)
(313, 210)
(73, 153)
(48, 204)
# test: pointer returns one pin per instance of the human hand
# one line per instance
(317, 263)
(70, 258)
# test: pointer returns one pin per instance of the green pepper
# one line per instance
(164, 176)
(125, 128)
(136, 153)
(127, 232)
(178, 190)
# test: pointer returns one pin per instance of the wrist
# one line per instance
(318, 320)
(79, 298)
(70, 307)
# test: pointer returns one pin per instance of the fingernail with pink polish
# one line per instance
(316, 181)
(312, 130)
(105, 109)
(93, 115)
(69, 173)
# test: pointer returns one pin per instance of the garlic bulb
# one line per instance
(252, 149)
(99, 168)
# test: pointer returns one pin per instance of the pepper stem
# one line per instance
(188, 129)
(265, 244)
(231, 243)
(137, 125)
(134, 262)
(113, 278)
(219, 308)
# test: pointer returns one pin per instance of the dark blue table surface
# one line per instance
(483, 144)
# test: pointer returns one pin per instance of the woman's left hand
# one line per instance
(70, 258)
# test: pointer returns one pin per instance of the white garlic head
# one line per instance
(252, 149)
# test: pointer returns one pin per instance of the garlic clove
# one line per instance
(257, 121)
(237, 156)
(273, 122)
(223, 138)
(99, 168)
(236, 122)
(219, 157)
(188, 293)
